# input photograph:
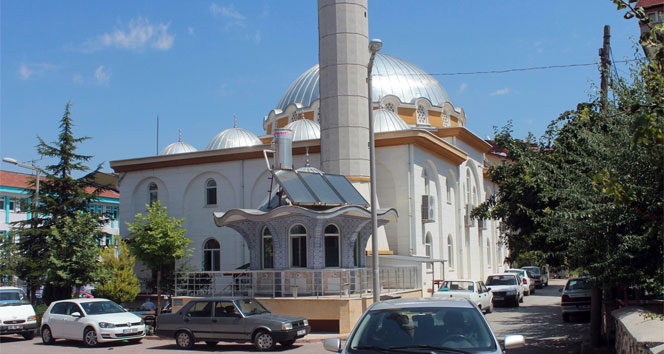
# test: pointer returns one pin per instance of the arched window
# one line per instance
(153, 193)
(332, 250)
(449, 190)
(211, 192)
(389, 106)
(267, 249)
(422, 115)
(211, 256)
(474, 200)
(358, 251)
(488, 252)
(468, 187)
(293, 117)
(426, 182)
(450, 251)
(446, 119)
(427, 248)
(298, 242)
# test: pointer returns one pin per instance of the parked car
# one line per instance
(230, 319)
(576, 297)
(506, 287)
(527, 280)
(541, 276)
(473, 290)
(426, 325)
(92, 321)
(16, 313)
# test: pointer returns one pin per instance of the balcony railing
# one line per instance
(295, 282)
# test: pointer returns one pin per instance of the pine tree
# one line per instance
(120, 284)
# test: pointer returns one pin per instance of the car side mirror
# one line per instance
(76, 314)
(514, 342)
(332, 345)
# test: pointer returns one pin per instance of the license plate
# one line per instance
(301, 332)
(584, 307)
(499, 298)
(130, 330)
(15, 327)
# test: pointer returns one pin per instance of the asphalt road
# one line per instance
(538, 319)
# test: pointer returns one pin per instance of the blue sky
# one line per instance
(197, 63)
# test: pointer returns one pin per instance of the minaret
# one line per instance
(343, 55)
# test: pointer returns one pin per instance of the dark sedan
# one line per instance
(239, 320)
(576, 297)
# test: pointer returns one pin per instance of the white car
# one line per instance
(506, 287)
(528, 281)
(473, 290)
(16, 313)
(92, 321)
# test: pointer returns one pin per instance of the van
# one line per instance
(16, 313)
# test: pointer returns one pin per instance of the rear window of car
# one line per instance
(458, 285)
(578, 284)
(501, 280)
(534, 270)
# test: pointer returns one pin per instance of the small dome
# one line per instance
(387, 121)
(177, 147)
(232, 138)
(304, 129)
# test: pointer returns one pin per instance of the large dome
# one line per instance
(390, 76)
(232, 138)
(304, 129)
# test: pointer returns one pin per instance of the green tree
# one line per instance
(158, 240)
(61, 196)
(120, 283)
(74, 252)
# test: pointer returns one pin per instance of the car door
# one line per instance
(75, 325)
(485, 299)
(230, 324)
(199, 320)
(56, 319)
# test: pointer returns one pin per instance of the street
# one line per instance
(538, 319)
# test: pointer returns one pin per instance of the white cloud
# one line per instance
(500, 92)
(26, 71)
(77, 79)
(463, 87)
(102, 77)
(226, 12)
(138, 34)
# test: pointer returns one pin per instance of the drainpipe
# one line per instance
(411, 201)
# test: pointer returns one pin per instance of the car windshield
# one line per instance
(578, 284)
(457, 286)
(251, 307)
(534, 270)
(13, 297)
(501, 280)
(422, 328)
(517, 271)
(101, 307)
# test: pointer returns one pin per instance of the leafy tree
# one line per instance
(74, 252)
(120, 284)
(60, 197)
(158, 240)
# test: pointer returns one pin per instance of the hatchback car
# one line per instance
(473, 290)
(506, 287)
(92, 321)
(527, 279)
(230, 320)
(541, 277)
(426, 325)
(576, 297)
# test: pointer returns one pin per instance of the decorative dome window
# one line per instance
(318, 116)
(422, 115)
(446, 119)
(390, 107)
(293, 117)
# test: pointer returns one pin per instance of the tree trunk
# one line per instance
(596, 317)
(77, 292)
(159, 290)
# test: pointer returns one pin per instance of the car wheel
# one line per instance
(565, 317)
(90, 337)
(28, 335)
(264, 341)
(287, 343)
(47, 336)
(184, 340)
(211, 343)
(490, 308)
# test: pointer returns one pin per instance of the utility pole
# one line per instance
(596, 301)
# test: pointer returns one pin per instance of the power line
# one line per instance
(518, 69)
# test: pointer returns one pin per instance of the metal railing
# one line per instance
(353, 282)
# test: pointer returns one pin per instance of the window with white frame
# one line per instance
(422, 115)
(450, 251)
(293, 117)
(298, 245)
(449, 190)
(488, 252)
(357, 255)
(428, 248)
(332, 249)
(211, 192)
(211, 256)
(468, 196)
(426, 181)
(153, 192)
(267, 249)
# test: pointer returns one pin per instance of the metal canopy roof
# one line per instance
(315, 189)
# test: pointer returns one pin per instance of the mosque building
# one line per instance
(301, 225)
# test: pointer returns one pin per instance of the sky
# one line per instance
(195, 64)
